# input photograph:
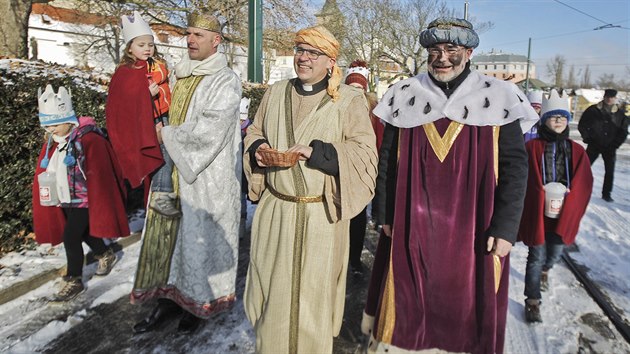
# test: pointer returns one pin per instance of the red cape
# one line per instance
(533, 221)
(106, 195)
(129, 118)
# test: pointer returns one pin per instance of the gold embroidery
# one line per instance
(182, 94)
(154, 262)
(387, 316)
(442, 144)
(294, 199)
(300, 190)
(495, 155)
(495, 150)
(497, 273)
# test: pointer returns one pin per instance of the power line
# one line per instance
(582, 12)
(560, 35)
(606, 24)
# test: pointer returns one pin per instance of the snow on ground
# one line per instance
(572, 322)
(31, 310)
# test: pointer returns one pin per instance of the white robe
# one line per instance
(205, 149)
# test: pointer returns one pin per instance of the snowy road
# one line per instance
(100, 320)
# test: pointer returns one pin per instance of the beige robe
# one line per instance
(296, 281)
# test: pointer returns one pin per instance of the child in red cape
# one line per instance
(545, 228)
(138, 102)
(78, 190)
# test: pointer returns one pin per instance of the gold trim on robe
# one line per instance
(442, 144)
(495, 150)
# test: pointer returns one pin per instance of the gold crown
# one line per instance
(207, 22)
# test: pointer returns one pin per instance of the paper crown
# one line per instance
(358, 67)
(204, 21)
(535, 97)
(555, 104)
(358, 73)
(55, 108)
(244, 108)
(134, 26)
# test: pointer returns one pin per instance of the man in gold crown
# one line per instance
(296, 280)
(190, 264)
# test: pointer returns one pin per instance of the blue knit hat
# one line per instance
(553, 105)
(55, 108)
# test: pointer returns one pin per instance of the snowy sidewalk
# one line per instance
(25, 271)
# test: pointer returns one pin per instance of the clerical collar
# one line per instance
(309, 90)
(449, 87)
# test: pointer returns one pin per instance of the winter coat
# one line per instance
(533, 222)
(603, 129)
(105, 189)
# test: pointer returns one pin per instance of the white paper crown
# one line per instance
(535, 96)
(358, 70)
(555, 104)
(55, 108)
(134, 26)
(244, 110)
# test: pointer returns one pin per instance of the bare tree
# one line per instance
(389, 30)
(364, 24)
(14, 27)
(102, 40)
(586, 78)
(606, 81)
(555, 69)
(571, 81)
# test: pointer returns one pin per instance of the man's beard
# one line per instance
(456, 69)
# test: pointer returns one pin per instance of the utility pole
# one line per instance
(529, 51)
(466, 10)
(254, 51)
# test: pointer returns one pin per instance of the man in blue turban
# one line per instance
(449, 195)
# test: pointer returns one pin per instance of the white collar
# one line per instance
(479, 100)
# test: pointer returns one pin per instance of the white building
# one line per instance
(75, 38)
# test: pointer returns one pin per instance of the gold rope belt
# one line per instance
(294, 199)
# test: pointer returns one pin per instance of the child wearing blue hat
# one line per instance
(559, 186)
(78, 190)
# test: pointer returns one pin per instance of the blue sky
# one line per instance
(555, 29)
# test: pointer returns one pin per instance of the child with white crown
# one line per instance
(138, 102)
(78, 190)
(559, 188)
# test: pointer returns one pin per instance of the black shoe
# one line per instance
(188, 323)
(608, 198)
(532, 311)
(163, 311)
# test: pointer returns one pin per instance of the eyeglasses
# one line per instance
(310, 53)
(448, 51)
(558, 119)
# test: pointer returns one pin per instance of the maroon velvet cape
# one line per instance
(533, 222)
(106, 195)
(129, 117)
(443, 294)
